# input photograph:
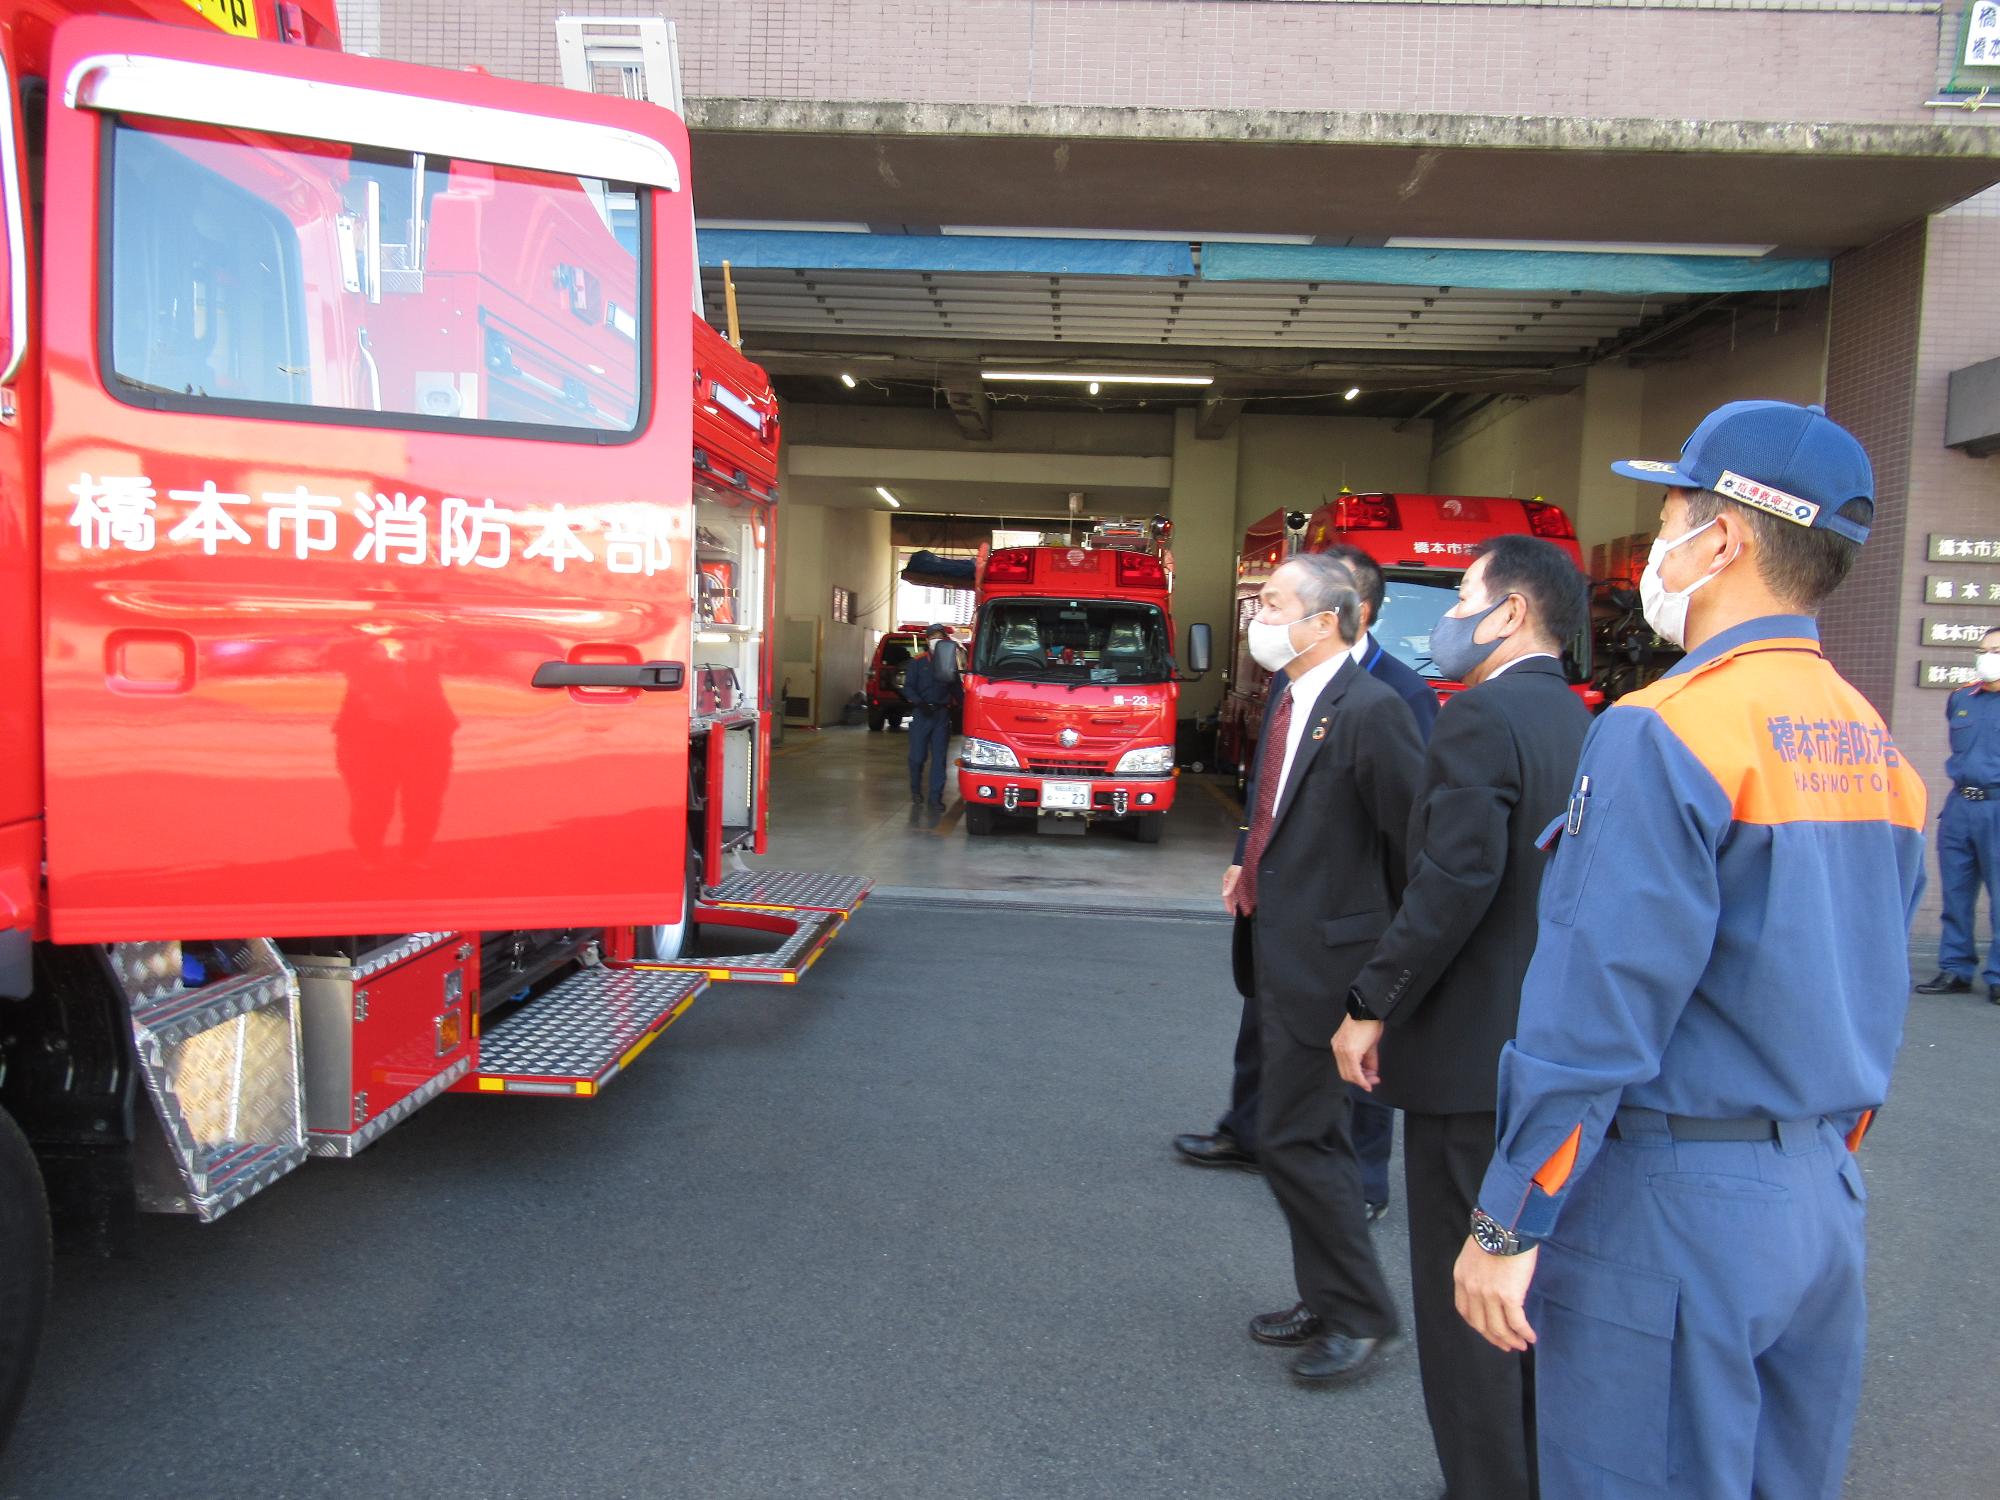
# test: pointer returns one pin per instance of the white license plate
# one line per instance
(1067, 796)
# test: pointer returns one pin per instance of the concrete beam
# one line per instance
(888, 466)
(1218, 414)
(1369, 174)
(967, 399)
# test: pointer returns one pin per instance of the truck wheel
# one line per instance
(24, 1268)
(1148, 828)
(874, 721)
(978, 821)
(672, 940)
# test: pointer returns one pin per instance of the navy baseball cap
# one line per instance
(1794, 462)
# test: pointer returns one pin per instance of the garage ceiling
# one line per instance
(1175, 312)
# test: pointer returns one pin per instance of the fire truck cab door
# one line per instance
(366, 529)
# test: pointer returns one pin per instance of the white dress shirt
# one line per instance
(1527, 656)
(1305, 693)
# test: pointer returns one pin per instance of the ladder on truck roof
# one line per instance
(632, 57)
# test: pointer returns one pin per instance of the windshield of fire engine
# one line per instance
(1411, 607)
(261, 272)
(1075, 641)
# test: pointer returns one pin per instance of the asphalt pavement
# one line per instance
(908, 1229)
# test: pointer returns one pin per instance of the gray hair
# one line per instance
(1326, 587)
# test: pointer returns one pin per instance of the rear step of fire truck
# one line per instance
(575, 1037)
(801, 910)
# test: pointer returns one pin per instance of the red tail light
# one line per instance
(1140, 570)
(1366, 513)
(1011, 565)
(1549, 521)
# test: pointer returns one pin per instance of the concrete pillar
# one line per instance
(1614, 399)
(1202, 502)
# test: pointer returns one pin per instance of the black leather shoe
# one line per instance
(918, 798)
(1374, 1211)
(1993, 993)
(1334, 1358)
(937, 804)
(1291, 1327)
(1218, 1150)
(1946, 984)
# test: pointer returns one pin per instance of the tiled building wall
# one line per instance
(1876, 297)
(1949, 491)
(1758, 61)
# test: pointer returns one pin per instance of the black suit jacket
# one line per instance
(1330, 877)
(1447, 974)
(1410, 686)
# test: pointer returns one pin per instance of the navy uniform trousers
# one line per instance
(930, 738)
(1371, 1126)
(1968, 854)
(1747, 1390)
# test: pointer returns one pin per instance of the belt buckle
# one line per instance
(1973, 793)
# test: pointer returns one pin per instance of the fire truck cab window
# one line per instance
(348, 285)
(1076, 641)
(1410, 608)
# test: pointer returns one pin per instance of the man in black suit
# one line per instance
(1428, 1015)
(1234, 1143)
(1317, 876)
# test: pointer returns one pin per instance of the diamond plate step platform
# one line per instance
(575, 1038)
(790, 890)
(803, 936)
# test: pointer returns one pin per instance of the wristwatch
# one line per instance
(1494, 1238)
(1357, 1008)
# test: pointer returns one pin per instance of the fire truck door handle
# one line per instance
(649, 676)
(17, 234)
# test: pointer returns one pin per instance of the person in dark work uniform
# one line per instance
(1428, 1016)
(1373, 1126)
(931, 684)
(1314, 885)
(1968, 836)
(1673, 1217)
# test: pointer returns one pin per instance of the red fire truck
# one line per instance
(383, 704)
(1423, 544)
(1071, 694)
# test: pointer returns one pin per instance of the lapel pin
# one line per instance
(1319, 732)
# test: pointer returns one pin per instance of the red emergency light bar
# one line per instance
(1366, 513)
(1140, 570)
(1549, 521)
(1011, 565)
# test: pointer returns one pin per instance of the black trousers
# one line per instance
(1372, 1126)
(1308, 1159)
(1480, 1399)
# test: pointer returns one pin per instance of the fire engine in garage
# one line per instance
(1423, 544)
(387, 691)
(1072, 691)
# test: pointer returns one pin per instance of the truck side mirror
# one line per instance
(1201, 649)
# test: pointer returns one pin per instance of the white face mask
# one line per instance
(1987, 665)
(1271, 645)
(1665, 609)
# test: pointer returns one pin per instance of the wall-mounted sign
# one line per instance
(1942, 588)
(1945, 674)
(1984, 549)
(1955, 632)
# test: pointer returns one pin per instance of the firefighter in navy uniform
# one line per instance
(931, 684)
(1673, 1217)
(1968, 835)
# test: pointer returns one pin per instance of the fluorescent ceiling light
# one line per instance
(1080, 232)
(1067, 378)
(894, 503)
(797, 226)
(1579, 247)
(1352, 392)
(847, 380)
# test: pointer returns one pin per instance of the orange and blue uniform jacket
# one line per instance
(1723, 929)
